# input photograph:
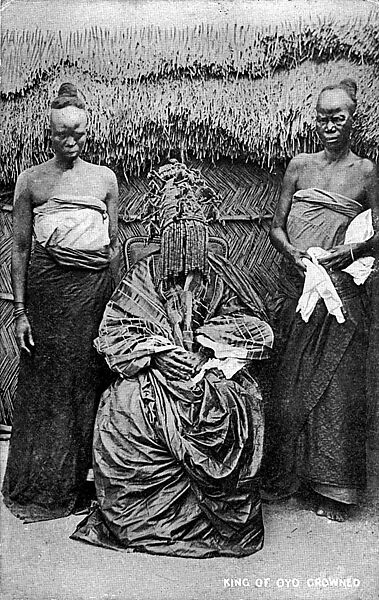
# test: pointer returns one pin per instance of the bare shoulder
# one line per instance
(109, 174)
(307, 160)
(101, 172)
(303, 160)
(24, 186)
(26, 178)
(38, 172)
(98, 169)
(367, 167)
(23, 178)
(110, 180)
(301, 163)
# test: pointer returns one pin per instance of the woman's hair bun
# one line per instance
(68, 89)
(348, 86)
(351, 87)
(67, 96)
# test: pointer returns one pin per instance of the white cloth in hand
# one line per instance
(360, 230)
(318, 285)
(229, 359)
(317, 281)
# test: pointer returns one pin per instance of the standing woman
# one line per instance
(59, 296)
(318, 429)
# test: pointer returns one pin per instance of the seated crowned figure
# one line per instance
(178, 436)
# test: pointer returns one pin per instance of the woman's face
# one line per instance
(334, 119)
(68, 132)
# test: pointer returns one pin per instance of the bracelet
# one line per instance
(19, 310)
(351, 253)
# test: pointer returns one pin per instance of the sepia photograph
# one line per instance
(189, 293)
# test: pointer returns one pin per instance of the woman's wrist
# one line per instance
(289, 251)
(19, 309)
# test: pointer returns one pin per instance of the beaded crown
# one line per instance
(178, 208)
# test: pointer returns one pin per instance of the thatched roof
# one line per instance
(211, 91)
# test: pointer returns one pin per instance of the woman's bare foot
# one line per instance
(331, 509)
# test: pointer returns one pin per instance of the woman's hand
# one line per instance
(296, 256)
(24, 334)
(338, 257)
(177, 363)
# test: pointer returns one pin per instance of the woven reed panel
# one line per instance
(8, 346)
(8, 362)
(5, 251)
(245, 189)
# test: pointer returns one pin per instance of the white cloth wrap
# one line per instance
(360, 230)
(229, 359)
(79, 223)
(317, 282)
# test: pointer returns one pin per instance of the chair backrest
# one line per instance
(138, 247)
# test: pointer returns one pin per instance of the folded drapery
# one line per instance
(360, 230)
(318, 285)
(59, 387)
(316, 422)
(234, 340)
(74, 230)
(176, 462)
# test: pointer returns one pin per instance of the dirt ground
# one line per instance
(301, 556)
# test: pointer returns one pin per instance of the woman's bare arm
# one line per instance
(111, 201)
(343, 255)
(278, 232)
(22, 239)
(372, 195)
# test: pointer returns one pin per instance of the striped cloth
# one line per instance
(136, 322)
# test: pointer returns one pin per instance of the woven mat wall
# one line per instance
(246, 190)
(8, 346)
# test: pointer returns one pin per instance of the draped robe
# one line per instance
(176, 465)
(59, 387)
(60, 382)
(317, 418)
